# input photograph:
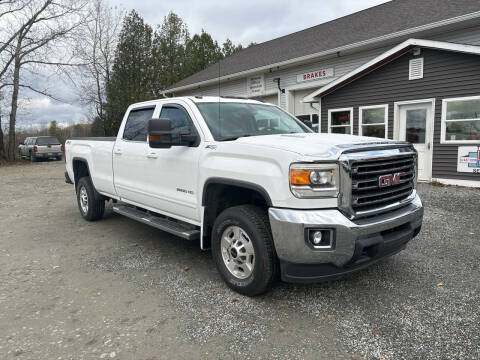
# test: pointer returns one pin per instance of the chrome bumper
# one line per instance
(388, 232)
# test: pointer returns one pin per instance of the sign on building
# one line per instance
(316, 75)
(255, 85)
(469, 159)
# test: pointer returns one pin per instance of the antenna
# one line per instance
(220, 124)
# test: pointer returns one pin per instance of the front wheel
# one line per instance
(90, 208)
(243, 250)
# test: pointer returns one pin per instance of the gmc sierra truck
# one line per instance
(253, 184)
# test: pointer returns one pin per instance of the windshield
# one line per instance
(229, 121)
(48, 141)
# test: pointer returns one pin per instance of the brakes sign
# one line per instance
(315, 75)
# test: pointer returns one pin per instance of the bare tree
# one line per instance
(97, 52)
(39, 34)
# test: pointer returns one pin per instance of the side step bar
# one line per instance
(181, 229)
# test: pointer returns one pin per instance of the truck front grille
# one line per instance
(378, 183)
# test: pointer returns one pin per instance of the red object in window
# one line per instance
(344, 117)
(35, 148)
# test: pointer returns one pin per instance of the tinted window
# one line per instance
(178, 118)
(136, 126)
(47, 141)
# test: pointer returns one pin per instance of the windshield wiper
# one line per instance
(231, 138)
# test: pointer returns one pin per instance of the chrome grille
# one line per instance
(366, 175)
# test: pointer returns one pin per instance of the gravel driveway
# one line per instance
(119, 289)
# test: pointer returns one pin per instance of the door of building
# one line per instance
(415, 126)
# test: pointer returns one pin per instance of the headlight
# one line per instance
(314, 180)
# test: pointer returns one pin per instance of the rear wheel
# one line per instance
(243, 250)
(32, 157)
(91, 209)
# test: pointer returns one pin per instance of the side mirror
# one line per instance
(161, 136)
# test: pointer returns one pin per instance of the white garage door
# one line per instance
(304, 111)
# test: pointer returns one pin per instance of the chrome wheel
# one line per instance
(237, 252)
(83, 199)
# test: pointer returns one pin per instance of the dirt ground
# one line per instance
(117, 289)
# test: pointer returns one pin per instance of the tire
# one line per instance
(58, 158)
(90, 208)
(32, 157)
(254, 231)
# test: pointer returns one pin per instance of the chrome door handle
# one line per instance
(152, 155)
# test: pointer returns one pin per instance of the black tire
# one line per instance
(254, 222)
(58, 158)
(32, 157)
(94, 208)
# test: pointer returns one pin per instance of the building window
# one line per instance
(373, 121)
(461, 120)
(340, 121)
(312, 118)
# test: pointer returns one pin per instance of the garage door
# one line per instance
(304, 111)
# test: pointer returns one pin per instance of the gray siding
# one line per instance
(446, 75)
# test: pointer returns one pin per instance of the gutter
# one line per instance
(356, 45)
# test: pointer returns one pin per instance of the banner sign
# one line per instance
(255, 85)
(469, 159)
(316, 75)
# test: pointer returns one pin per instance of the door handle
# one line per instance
(118, 151)
(152, 155)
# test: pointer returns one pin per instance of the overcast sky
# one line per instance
(241, 21)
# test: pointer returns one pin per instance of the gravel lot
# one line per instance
(119, 289)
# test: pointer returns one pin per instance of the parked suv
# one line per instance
(41, 147)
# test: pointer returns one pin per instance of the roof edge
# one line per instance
(388, 56)
(351, 46)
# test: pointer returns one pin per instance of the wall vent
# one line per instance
(416, 69)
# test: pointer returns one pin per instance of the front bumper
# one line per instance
(357, 243)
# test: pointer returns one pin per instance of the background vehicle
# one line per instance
(41, 147)
(255, 185)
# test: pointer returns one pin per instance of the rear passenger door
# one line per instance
(130, 155)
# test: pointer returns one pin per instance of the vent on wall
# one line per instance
(416, 69)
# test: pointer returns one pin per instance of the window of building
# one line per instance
(136, 126)
(312, 118)
(340, 121)
(461, 120)
(373, 121)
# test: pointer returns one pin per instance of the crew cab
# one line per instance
(253, 184)
(40, 147)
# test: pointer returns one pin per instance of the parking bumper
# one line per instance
(357, 243)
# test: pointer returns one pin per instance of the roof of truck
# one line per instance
(202, 99)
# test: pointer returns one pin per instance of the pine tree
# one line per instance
(132, 77)
(229, 48)
(168, 51)
(202, 51)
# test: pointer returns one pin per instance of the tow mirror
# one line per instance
(161, 136)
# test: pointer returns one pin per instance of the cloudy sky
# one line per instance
(241, 21)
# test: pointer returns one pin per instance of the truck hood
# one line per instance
(315, 145)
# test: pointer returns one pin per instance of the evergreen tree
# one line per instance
(132, 74)
(53, 129)
(169, 45)
(202, 51)
(229, 48)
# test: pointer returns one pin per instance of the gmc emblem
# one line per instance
(391, 179)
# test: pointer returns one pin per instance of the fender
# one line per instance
(97, 195)
(239, 183)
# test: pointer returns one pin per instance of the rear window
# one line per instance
(48, 141)
(136, 126)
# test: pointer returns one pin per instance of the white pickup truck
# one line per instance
(254, 184)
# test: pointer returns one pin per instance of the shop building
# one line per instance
(406, 70)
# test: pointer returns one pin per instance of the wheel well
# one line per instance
(80, 169)
(218, 197)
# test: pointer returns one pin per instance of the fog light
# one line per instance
(317, 237)
(321, 238)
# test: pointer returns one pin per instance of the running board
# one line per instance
(181, 229)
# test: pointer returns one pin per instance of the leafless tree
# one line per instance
(39, 33)
(96, 51)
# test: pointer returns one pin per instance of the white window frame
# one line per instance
(360, 116)
(330, 111)
(444, 121)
